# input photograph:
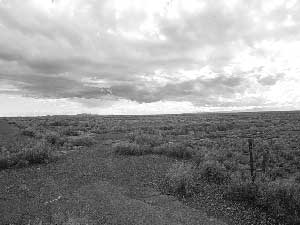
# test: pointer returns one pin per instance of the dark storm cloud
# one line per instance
(97, 39)
(40, 86)
(197, 90)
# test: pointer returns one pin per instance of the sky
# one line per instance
(148, 56)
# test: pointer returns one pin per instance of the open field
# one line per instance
(163, 169)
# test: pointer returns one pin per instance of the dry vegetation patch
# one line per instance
(24, 154)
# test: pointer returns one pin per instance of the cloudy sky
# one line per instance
(148, 57)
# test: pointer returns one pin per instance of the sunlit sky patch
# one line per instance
(148, 56)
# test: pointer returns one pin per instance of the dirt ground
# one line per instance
(93, 186)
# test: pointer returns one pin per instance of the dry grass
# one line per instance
(175, 150)
(34, 152)
(183, 178)
(179, 179)
(280, 199)
(146, 139)
(127, 148)
(81, 141)
(214, 172)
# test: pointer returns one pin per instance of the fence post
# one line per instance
(265, 160)
(251, 161)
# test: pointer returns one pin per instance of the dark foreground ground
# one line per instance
(92, 186)
(89, 184)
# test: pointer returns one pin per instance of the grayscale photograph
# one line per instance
(149, 112)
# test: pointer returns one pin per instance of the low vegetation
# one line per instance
(184, 178)
(127, 148)
(33, 152)
(279, 199)
(175, 150)
(179, 179)
(212, 149)
(81, 141)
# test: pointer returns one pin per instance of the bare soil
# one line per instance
(93, 186)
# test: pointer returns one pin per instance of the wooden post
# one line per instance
(251, 161)
(265, 160)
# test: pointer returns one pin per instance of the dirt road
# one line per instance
(92, 186)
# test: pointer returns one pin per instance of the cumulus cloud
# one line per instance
(222, 54)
